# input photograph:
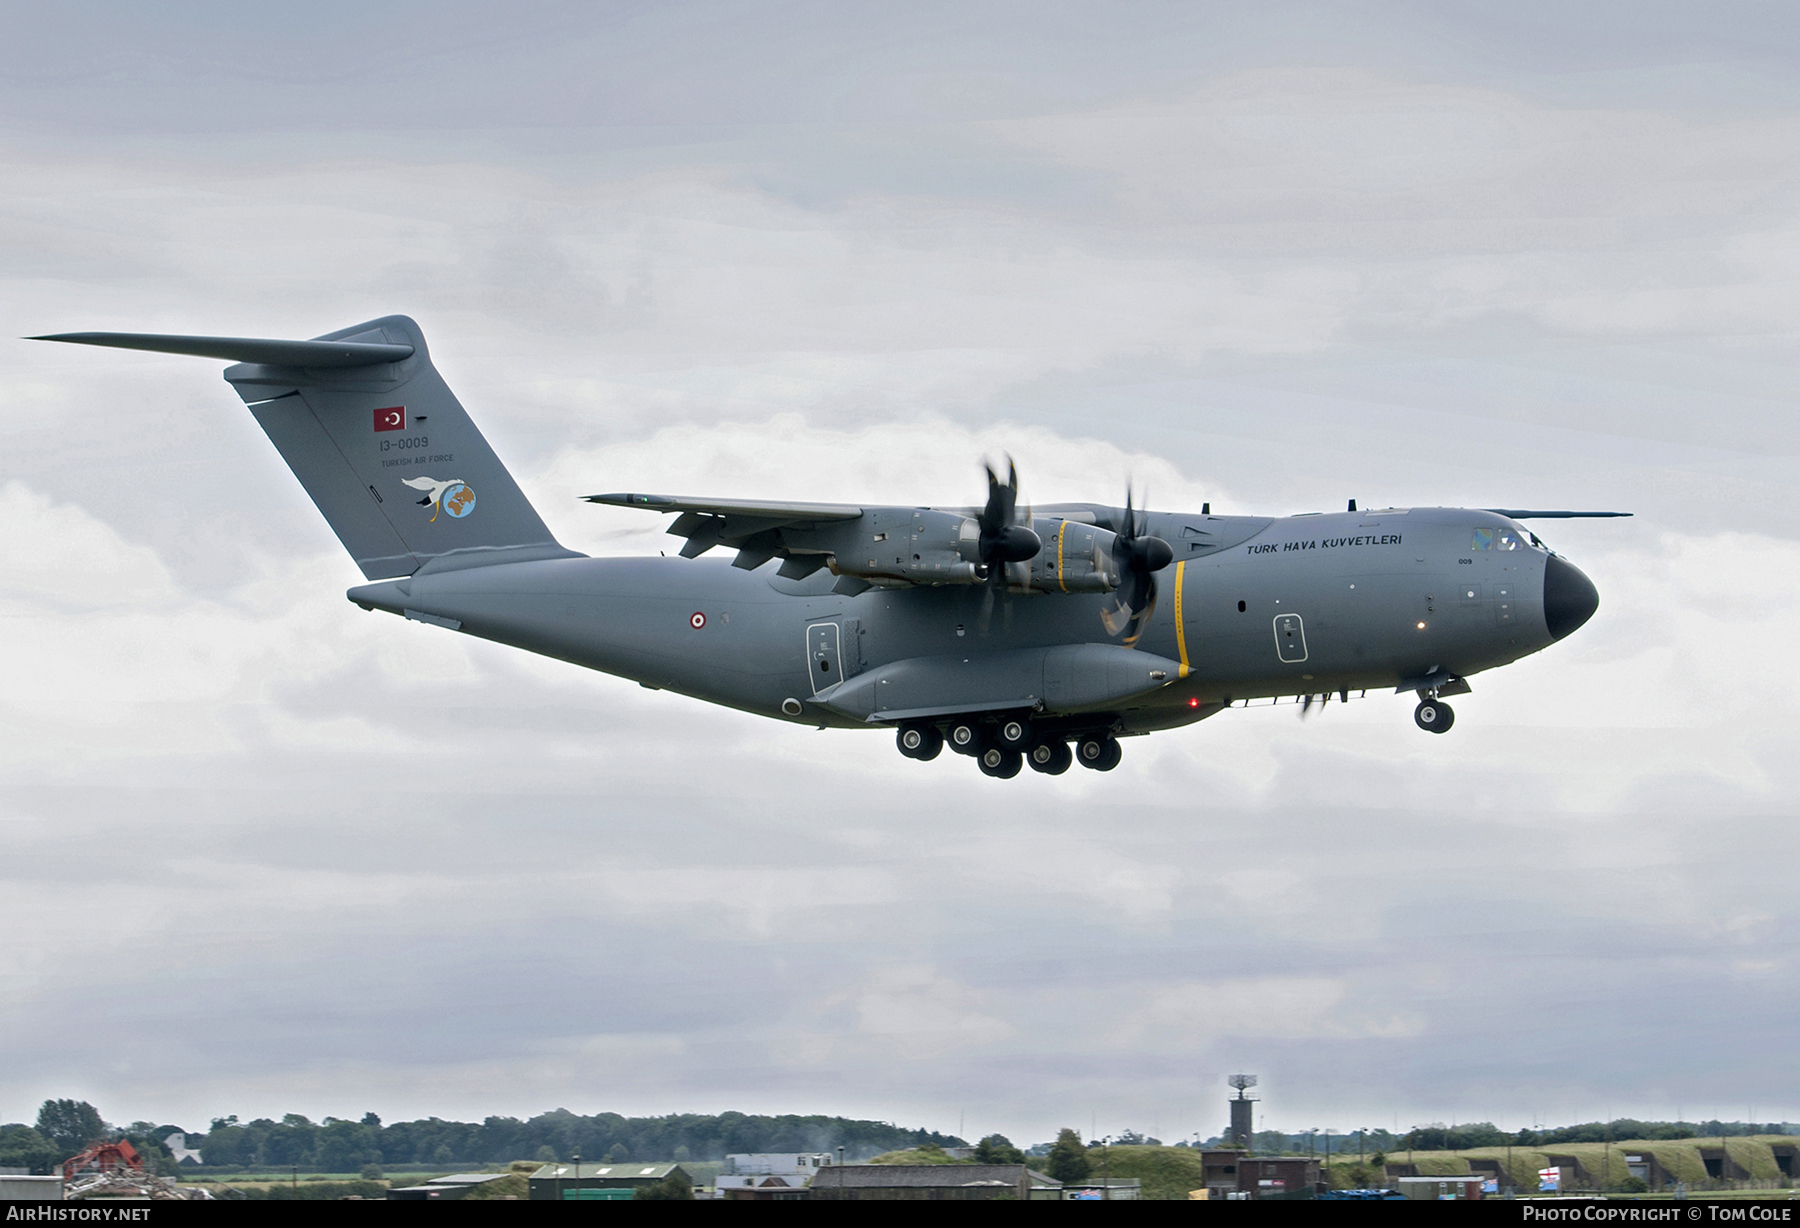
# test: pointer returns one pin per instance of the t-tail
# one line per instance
(379, 441)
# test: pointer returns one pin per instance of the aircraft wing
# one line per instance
(1526, 513)
(748, 525)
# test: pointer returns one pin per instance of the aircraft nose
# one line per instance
(1570, 598)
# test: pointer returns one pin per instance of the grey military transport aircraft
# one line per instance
(1016, 637)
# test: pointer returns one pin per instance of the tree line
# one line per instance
(1439, 1137)
(344, 1145)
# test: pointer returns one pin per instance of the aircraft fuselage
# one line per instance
(1308, 605)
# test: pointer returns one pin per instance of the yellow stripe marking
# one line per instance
(1059, 566)
(1180, 622)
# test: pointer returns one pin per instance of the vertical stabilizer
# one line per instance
(379, 441)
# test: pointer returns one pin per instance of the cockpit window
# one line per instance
(1504, 539)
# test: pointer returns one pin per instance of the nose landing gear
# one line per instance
(1433, 716)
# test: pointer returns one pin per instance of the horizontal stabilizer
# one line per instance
(1526, 513)
(313, 354)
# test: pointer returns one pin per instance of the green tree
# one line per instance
(23, 1147)
(998, 1149)
(1068, 1158)
(70, 1124)
(672, 1187)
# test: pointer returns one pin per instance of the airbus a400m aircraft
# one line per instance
(1015, 636)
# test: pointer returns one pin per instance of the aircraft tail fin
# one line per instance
(379, 441)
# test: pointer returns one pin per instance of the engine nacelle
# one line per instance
(930, 547)
(926, 547)
(1076, 558)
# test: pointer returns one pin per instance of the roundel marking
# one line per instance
(696, 620)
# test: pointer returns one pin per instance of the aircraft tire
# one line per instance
(1014, 733)
(1002, 764)
(966, 737)
(1101, 753)
(1051, 756)
(920, 741)
(1434, 716)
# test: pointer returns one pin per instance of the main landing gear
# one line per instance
(1102, 754)
(1434, 716)
(1002, 747)
(920, 741)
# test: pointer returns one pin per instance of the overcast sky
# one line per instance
(266, 853)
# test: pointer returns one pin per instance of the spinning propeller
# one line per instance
(1136, 556)
(1002, 540)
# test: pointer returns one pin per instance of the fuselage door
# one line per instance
(1290, 638)
(824, 655)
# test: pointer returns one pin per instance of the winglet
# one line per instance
(314, 354)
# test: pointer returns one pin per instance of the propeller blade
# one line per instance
(1002, 541)
(1135, 560)
(1142, 621)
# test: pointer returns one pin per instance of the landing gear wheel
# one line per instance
(1014, 734)
(1051, 757)
(965, 737)
(1434, 716)
(1004, 764)
(920, 741)
(1100, 753)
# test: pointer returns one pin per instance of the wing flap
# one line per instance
(775, 513)
(751, 526)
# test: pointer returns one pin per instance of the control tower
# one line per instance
(1243, 1129)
